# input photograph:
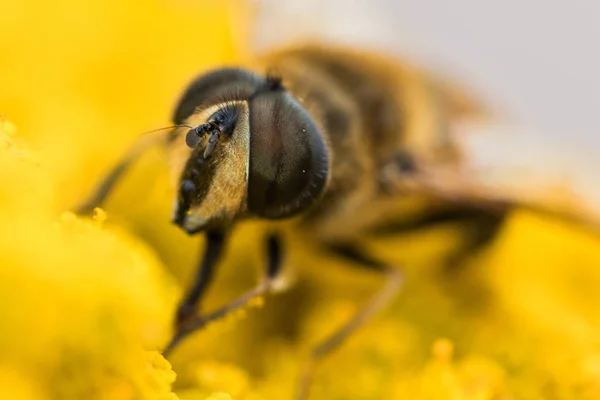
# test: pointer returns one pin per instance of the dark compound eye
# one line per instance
(289, 162)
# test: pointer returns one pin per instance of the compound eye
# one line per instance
(289, 163)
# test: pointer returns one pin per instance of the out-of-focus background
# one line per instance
(538, 59)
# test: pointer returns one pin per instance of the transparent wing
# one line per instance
(509, 164)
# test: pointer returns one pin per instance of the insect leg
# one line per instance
(393, 282)
(274, 254)
(428, 220)
(215, 243)
(97, 197)
(482, 233)
(482, 228)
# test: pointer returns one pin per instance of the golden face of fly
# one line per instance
(212, 187)
(253, 151)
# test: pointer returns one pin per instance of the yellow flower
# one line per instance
(81, 304)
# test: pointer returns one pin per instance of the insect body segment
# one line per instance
(212, 175)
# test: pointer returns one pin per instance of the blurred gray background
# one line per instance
(538, 60)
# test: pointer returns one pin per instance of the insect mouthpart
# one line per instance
(183, 217)
(191, 224)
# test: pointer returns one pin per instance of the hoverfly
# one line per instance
(323, 137)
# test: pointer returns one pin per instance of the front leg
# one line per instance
(215, 244)
(195, 322)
